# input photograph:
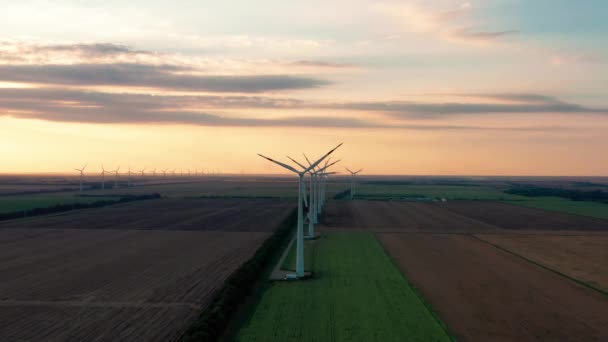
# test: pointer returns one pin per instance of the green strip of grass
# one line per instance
(584, 208)
(29, 202)
(357, 294)
(310, 252)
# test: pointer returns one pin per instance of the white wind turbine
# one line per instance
(301, 199)
(352, 181)
(81, 175)
(129, 177)
(314, 194)
(103, 178)
(116, 177)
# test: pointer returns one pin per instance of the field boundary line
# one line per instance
(578, 281)
(193, 306)
(415, 290)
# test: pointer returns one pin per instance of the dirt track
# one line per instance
(484, 294)
(101, 284)
(171, 214)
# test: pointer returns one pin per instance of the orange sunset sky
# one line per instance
(496, 87)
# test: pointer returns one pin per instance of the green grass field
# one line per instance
(447, 191)
(310, 253)
(357, 294)
(10, 204)
(585, 208)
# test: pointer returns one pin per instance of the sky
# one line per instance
(436, 87)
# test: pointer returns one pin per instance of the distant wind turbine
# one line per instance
(81, 175)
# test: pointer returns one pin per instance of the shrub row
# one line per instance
(212, 322)
(74, 206)
(575, 195)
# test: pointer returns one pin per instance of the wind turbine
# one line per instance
(301, 198)
(81, 175)
(129, 177)
(116, 177)
(314, 193)
(352, 181)
(103, 178)
(154, 172)
(173, 172)
(142, 172)
(164, 171)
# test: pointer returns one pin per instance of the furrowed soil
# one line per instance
(108, 285)
(510, 216)
(486, 294)
(171, 214)
(395, 216)
(583, 257)
(134, 271)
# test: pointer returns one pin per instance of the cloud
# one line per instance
(456, 24)
(154, 76)
(107, 108)
(520, 104)
(468, 34)
(321, 64)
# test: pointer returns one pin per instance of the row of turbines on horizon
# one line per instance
(144, 173)
(313, 200)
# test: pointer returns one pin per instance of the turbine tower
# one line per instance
(81, 175)
(103, 178)
(301, 199)
(314, 194)
(129, 177)
(352, 181)
(116, 177)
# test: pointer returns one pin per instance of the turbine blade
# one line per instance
(359, 171)
(323, 158)
(280, 164)
(295, 161)
(308, 161)
(328, 166)
(347, 169)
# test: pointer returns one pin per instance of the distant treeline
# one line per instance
(575, 195)
(74, 206)
(342, 194)
(212, 322)
(444, 182)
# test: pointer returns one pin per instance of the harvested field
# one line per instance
(509, 216)
(171, 214)
(102, 284)
(582, 257)
(389, 216)
(485, 294)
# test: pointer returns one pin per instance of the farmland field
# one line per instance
(390, 216)
(357, 294)
(485, 294)
(10, 204)
(583, 257)
(445, 191)
(134, 271)
(584, 208)
(171, 214)
(517, 217)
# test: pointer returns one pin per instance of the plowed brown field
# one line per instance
(171, 214)
(583, 257)
(509, 216)
(387, 216)
(485, 294)
(101, 284)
